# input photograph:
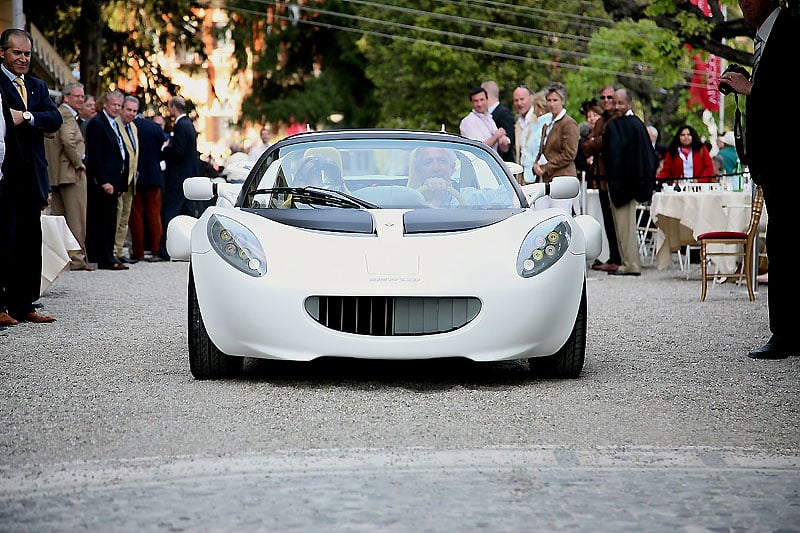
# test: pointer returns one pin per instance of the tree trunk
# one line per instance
(91, 31)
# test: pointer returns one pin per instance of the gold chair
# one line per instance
(742, 239)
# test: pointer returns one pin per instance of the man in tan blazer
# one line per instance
(65, 153)
(130, 107)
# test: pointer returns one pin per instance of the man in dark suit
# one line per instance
(146, 209)
(769, 153)
(29, 114)
(503, 117)
(107, 172)
(181, 158)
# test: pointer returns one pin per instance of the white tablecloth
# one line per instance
(57, 243)
(682, 216)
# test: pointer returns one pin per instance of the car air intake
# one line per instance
(387, 315)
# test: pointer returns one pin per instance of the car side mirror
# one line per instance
(514, 168)
(561, 188)
(564, 187)
(199, 188)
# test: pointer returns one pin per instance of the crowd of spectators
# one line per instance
(115, 176)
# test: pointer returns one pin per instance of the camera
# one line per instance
(723, 87)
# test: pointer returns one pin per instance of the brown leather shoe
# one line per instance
(7, 320)
(37, 318)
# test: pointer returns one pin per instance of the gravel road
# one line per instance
(670, 427)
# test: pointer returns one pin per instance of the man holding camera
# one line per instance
(769, 147)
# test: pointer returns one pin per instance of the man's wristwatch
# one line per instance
(27, 116)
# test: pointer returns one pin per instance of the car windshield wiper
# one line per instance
(317, 196)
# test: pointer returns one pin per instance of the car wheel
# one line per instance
(568, 361)
(206, 361)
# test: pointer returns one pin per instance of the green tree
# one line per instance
(679, 22)
(407, 63)
(303, 70)
(424, 63)
(117, 42)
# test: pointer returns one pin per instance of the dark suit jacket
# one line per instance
(630, 161)
(180, 154)
(660, 150)
(104, 162)
(768, 133)
(82, 122)
(771, 141)
(25, 157)
(504, 118)
(151, 139)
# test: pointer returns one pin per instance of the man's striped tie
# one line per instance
(758, 45)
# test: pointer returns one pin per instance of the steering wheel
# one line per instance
(454, 193)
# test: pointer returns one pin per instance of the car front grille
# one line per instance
(389, 316)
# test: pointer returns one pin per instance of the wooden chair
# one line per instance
(744, 242)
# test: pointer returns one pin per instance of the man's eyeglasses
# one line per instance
(606, 98)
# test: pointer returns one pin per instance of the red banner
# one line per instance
(703, 89)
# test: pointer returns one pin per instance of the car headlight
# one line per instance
(237, 245)
(544, 246)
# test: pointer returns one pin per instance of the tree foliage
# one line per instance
(407, 63)
(424, 69)
(416, 60)
(117, 42)
(304, 71)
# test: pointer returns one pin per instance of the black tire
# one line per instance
(566, 363)
(206, 361)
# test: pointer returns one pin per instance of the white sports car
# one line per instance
(384, 244)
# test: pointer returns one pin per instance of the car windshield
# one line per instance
(380, 173)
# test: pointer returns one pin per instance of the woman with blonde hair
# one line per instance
(559, 138)
(558, 146)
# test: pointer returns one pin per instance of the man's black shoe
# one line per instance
(620, 272)
(770, 351)
(129, 260)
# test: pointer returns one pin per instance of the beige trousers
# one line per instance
(625, 225)
(69, 200)
(123, 215)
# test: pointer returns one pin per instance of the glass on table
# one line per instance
(682, 185)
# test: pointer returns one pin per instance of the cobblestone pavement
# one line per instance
(670, 428)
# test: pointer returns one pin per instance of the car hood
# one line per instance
(364, 221)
